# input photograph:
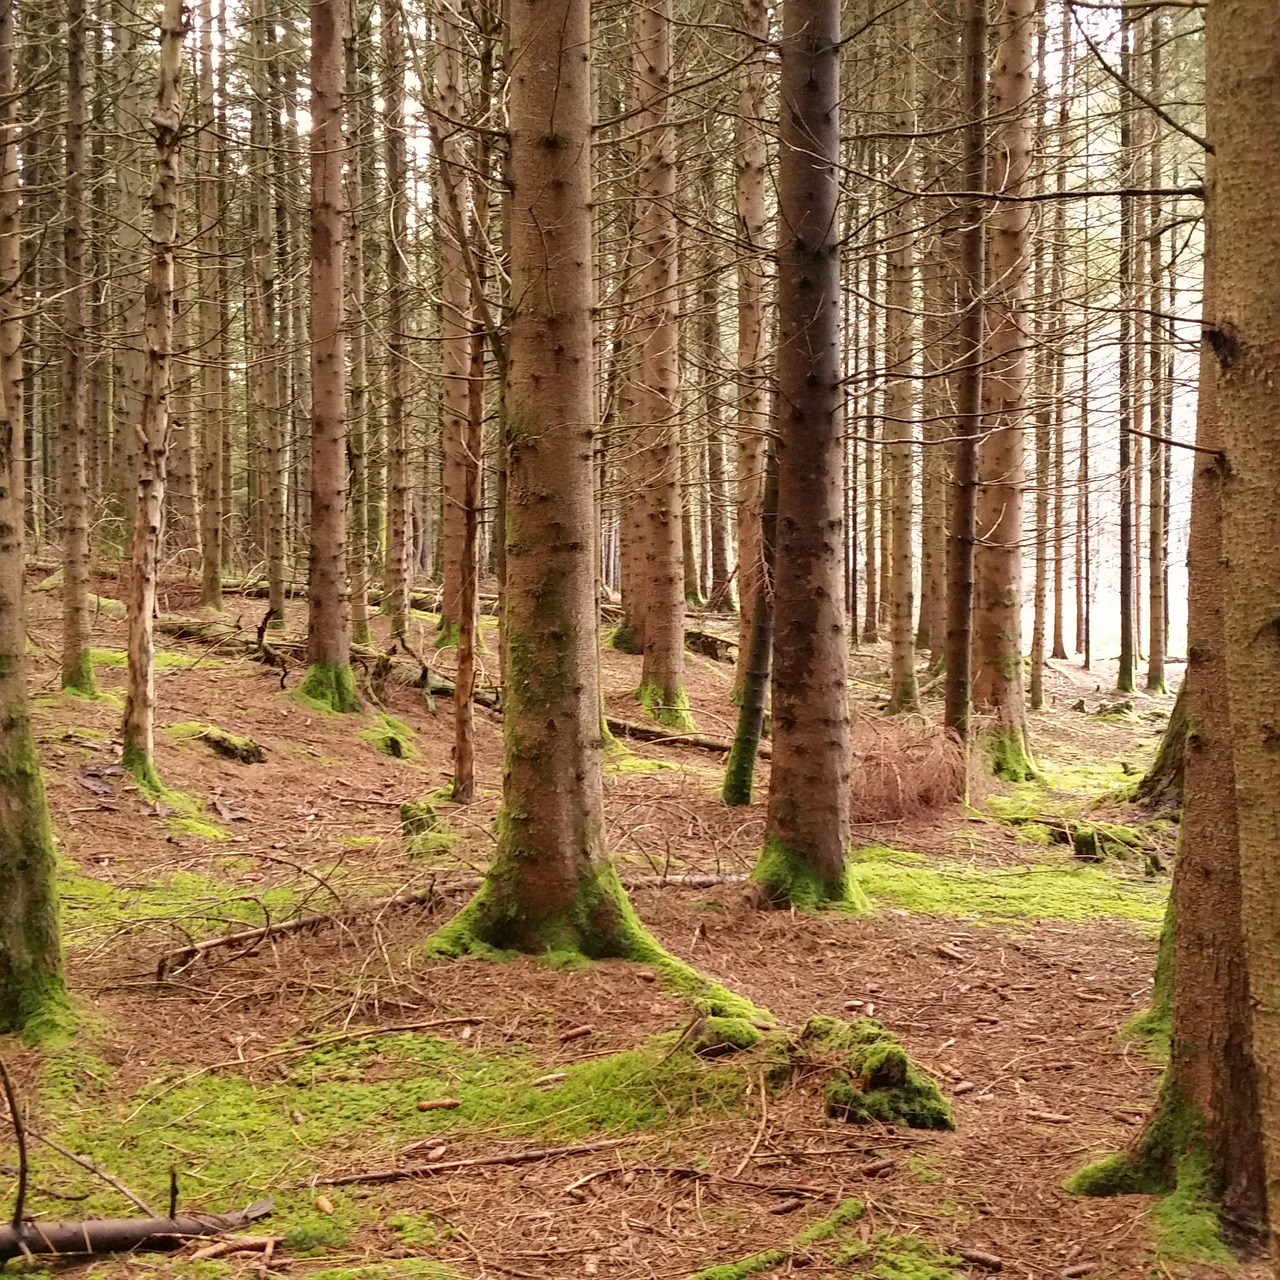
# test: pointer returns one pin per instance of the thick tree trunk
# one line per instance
(550, 884)
(1242, 327)
(807, 828)
(77, 669)
(396, 367)
(138, 729)
(961, 544)
(997, 685)
(32, 995)
(329, 679)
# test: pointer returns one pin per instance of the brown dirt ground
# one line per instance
(1028, 1016)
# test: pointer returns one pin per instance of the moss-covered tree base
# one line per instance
(447, 636)
(1169, 1159)
(81, 682)
(330, 686)
(740, 772)
(873, 1079)
(142, 768)
(600, 924)
(668, 707)
(1008, 755)
(626, 639)
(784, 880)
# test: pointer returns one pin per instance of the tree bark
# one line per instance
(32, 993)
(329, 679)
(997, 685)
(807, 826)
(77, 668)
(1242, 328)
(138, 729)
(961, 544)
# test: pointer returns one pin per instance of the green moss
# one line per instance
(1052, 892)
(668, 707)
(232, 746)
(786, 880)
(392, 1269)
(1008, 755)
(392, 737)
(80, 680)
(199, 827)
(874, 1079)
(361, 842)
(162, 659)
(889, 1256)
(424, 829)
(1186, 1222)
(600, 923)
(447, 636)
(823, 1231)
(53, 582)
(329, 687)
(625, 639)
(622, 760)
(108, 607)
(1155, 1025)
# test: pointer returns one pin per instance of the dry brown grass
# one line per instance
(903, 768)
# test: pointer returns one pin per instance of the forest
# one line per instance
(639, 639)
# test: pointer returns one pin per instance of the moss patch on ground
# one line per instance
(1064, 891)
(392, 737)
(231, 746)
(827, 1231)
(163, 659)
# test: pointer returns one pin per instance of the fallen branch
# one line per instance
(122, 1235)
(445, 1166)
(173, 962)
(657, 733)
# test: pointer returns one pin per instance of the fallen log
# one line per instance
(656, 733)
(123, 1235)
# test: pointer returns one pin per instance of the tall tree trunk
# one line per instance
(1057, 289)
(264, 308)
(807, 828)
(997, 685)
(212, 407)
(550, 884)
(751, 158)
(453, 191)
(138, 729)
(358, 130)
(32, 995)
(329, 678)
(961, 544)
(900, 396)
(1128, 573)
(658, 377)
(1242, 327)
(77, 667)
(396, 368)
(1207, 1126)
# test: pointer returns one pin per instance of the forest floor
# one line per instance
(1008, 969)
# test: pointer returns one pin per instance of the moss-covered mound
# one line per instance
(424, 828)
(872, 1078)
(232, 746)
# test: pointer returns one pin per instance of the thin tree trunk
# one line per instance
(997, 685)
(961, 546)
(138, 728)
(395, 598)
(1128, 620)
(77, 667)
(807, 825)
(329, 678)
(32, 995)
(1057, 289)
(212, 408)
(657, 391)
(751, 158)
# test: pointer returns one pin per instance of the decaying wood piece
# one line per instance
(121, 1235)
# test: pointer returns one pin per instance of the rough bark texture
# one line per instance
(453, 193)
(751, 157)
(900, 397)
(77, 669)
(212, 408)
(961, 550)
(396, 367)
(658, 372)
(807, 828)
(329, 680)
(549, 885)
(1242, 326)
(152, 429)
(32, 996)
(997, 682)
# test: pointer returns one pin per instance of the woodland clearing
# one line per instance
(1008, 968)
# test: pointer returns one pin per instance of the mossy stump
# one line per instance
(872, 1078)
(231, 746)
(330, 686)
